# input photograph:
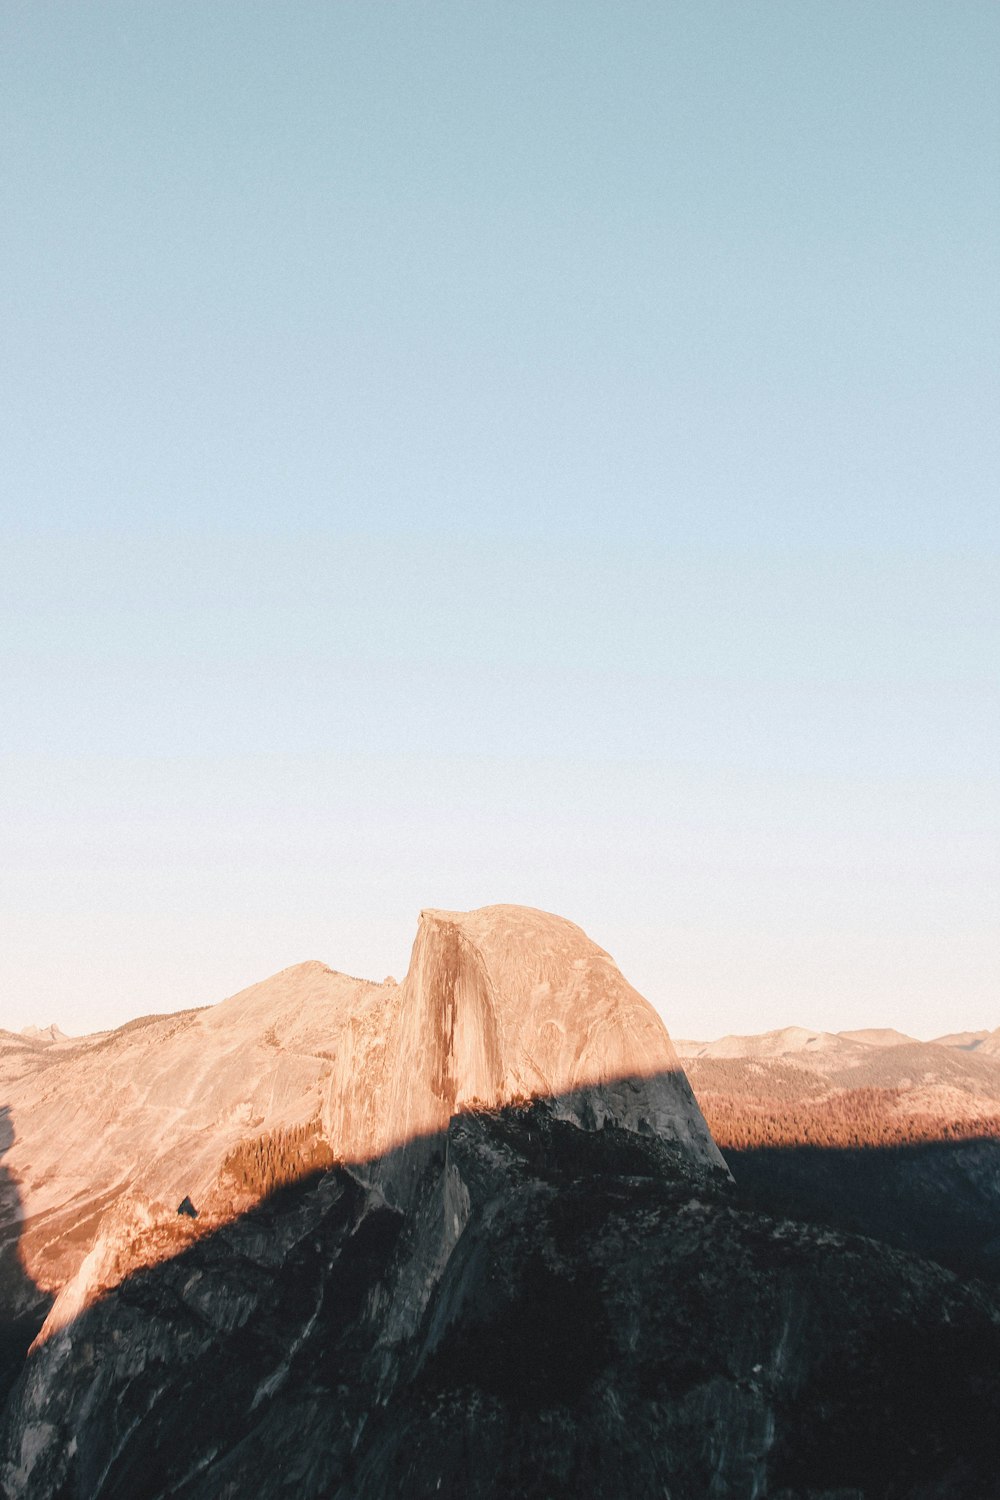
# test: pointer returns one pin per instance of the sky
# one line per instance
(536, 452)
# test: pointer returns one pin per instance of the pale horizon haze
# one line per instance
(539, 453)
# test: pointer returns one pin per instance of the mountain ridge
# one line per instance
(502, 1004)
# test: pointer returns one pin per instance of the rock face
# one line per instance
(44, 1035)
(463, 1236)
(498, 1005)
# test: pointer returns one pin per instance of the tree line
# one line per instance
(852, 1118)
(266, 1162)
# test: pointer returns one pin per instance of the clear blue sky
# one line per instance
(527, 451)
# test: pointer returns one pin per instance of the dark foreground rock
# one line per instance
(518, 1307)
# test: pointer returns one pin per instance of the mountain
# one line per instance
(789, 1040)
(792, 1040)
(968, 1041)
(794, 1083)
(863, 1130)
(468, 1235)
(877, 1036)
(497, 1006)
(44, 1035)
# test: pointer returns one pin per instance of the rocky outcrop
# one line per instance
(498, 1006)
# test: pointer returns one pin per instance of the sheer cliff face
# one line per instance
(498, 1005)
(502, 1005)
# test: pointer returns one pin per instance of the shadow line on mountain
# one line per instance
(388, 1221)
(648, 1102)
(314, 1257)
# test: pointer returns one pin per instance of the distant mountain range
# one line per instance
(44, 1035)
(845, 1088)
(795, 1039)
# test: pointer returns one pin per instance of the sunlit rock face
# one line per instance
(501, 1005)
(498, 1005)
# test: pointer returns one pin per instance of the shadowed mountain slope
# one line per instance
(553, 1310)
